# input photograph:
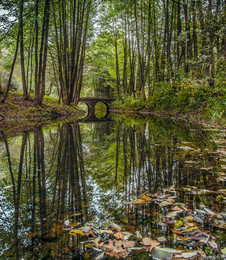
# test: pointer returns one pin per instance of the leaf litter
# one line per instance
(190, 229)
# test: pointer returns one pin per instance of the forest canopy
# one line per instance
(144, 49)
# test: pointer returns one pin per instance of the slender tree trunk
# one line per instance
(25, 93)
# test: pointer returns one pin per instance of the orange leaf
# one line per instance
(31, 235)
(176, 231)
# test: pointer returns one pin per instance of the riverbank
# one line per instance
(17, 114)
(204, 113)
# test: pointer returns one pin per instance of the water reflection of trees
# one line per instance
(146, 158)
(47, 185)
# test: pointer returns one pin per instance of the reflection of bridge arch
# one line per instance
(91, 103)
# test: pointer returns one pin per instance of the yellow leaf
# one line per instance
(74, 232)
(145, 197)
(73, 224)
(138, 202)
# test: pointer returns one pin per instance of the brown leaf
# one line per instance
(146, 241)
(121, 254)
(128, 244)
(154, 244)
(90, 233)
(115, 227)
(176, 231)
(31, 235)
(119, 235)
(98, 242)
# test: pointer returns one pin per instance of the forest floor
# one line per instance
(18, 114)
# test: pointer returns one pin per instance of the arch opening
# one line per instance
(101, 110)
(84, 107)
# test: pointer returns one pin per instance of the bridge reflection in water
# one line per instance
(91, 103)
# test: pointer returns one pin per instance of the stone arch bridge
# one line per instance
(91, 103)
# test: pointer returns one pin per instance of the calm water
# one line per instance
(87, 173)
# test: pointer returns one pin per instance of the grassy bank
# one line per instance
(192, 101)
(19, 115)
(17, 107)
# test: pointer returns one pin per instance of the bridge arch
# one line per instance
(91, 104)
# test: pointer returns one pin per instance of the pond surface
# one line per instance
(130, 188)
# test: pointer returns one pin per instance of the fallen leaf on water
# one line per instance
(119, 235)
(129, 244)
(138, 201)
(154, 244)
(66, 249)
(149, 242)
(162, 239)
(165, 203)
(189, 254)
(176, 231)
(178, 224)
(207, 168)
(173, 214)
(115, 227)
(98, 242)
(118, 254)
(90, 233)
(223, 250)
(145, 197)
(212, 243)
(100, 256)
(176, 208)
(58, 229)
(219, 223)
(110, 232)
(85, 228)
(31, 235)
(190, 229)
(146, 241)
(75, 232)
(73, 224)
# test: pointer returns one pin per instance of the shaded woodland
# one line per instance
(126, 49)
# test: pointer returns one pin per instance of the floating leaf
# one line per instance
(146, 241)
(115, 227)
(189, 254)
(162, 239)
(176, 231)
(31, 235)
(119, 235)
(149, 242)
(178, 224)
(75, 232)
(73, 224)
(138, 201)
(145, 197)
(172, 214)
(165, 203)
(223, 250)
(129, 244)
(110, 232)
(100, 256)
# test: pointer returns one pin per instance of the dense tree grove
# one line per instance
(111, 47)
